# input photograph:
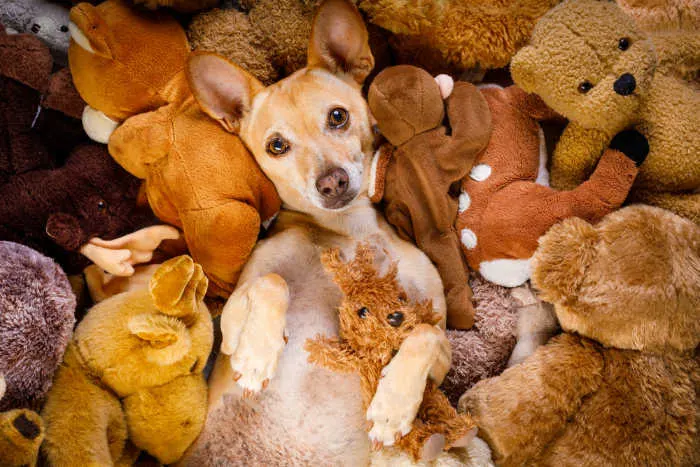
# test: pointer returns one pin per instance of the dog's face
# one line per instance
(311, 132)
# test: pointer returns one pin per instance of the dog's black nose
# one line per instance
(333, 183)
(26, 427)
(625, 85)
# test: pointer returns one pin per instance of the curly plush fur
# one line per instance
(37, 309)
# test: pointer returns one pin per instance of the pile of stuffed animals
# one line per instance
(544, 155)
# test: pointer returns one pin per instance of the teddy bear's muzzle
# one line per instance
(26, 427)
(625, 84)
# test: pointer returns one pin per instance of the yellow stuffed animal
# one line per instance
(21, 434)
(590, 63)
(131, 379)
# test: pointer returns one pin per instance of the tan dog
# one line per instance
(311, 135)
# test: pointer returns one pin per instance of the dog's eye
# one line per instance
(277, 146)
(623, 44)
(584, 87)
(363, 312)
(338, 118)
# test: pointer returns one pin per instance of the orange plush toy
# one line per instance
(128, 65)
(506, 204)
(375, 318)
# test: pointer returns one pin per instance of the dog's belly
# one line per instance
(307, 415)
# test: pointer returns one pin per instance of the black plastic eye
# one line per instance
(277, 146)
(338, 118)
(623, 44)
(584, 87)
(63, 28)
(101, 205)
(35, 28)
(395, 319)
(363, 312)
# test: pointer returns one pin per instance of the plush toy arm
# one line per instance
(142, 140)
(470, 119)
(575, 156)
(220, 239)
(331, 353)
(520, 411)
(684, 204)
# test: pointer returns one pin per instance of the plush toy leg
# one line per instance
(21, 433)
(685, 205)
(221, 239)
(84, 423)
(164, 421)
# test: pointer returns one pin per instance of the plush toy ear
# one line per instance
(560, 262)
(178, 287)
(223, 90)
(167, 337)
(339, 41)
(89, 30)
(523, 68)
(65, 230)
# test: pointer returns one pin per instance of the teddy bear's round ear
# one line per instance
(561, 260)
(523, 68)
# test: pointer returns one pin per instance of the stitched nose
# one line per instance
(333, 183)
(26, 427)
(625, 85)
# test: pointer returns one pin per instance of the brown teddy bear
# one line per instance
(21, 434)
(619, 387)
(589, 62)
(375, 317)
(131, 378)
(456, 36)
(414, 175)
(128, 65)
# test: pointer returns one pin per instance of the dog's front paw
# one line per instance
(393, 408)
(252, 325)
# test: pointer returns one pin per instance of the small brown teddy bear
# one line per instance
(590, 63)
(21, 434)
(414, 176)
(375, 317)
(131, 378)
(620, 386)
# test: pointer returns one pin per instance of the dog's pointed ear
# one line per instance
(339, 41)
(223, 90)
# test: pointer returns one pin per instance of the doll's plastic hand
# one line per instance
(446, 85)
(117, 262)
(252, 327)
(400, 391)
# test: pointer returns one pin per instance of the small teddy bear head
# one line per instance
(589, 62)
(631, 281)
(406, 101)
(375, 314)
(122, 57)
(147, 337)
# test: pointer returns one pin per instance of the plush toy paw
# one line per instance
(21, 434)
(632, 144)
(252, 325)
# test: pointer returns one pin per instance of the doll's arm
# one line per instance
(470, 119)
(684, 204)
(520, 411)
(575, 156)
(331, 353)
(142, 140)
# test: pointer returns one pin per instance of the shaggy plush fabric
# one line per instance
(36, 321)
(482, 351)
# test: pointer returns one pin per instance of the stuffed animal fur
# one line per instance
(131, 378)
(413, 177)
(456, 36)
(506, 205)
(45, 19)
(199, 177)
(620, 387)
(37, 309)
(375, 317)
(21, 434)
(589, 62)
